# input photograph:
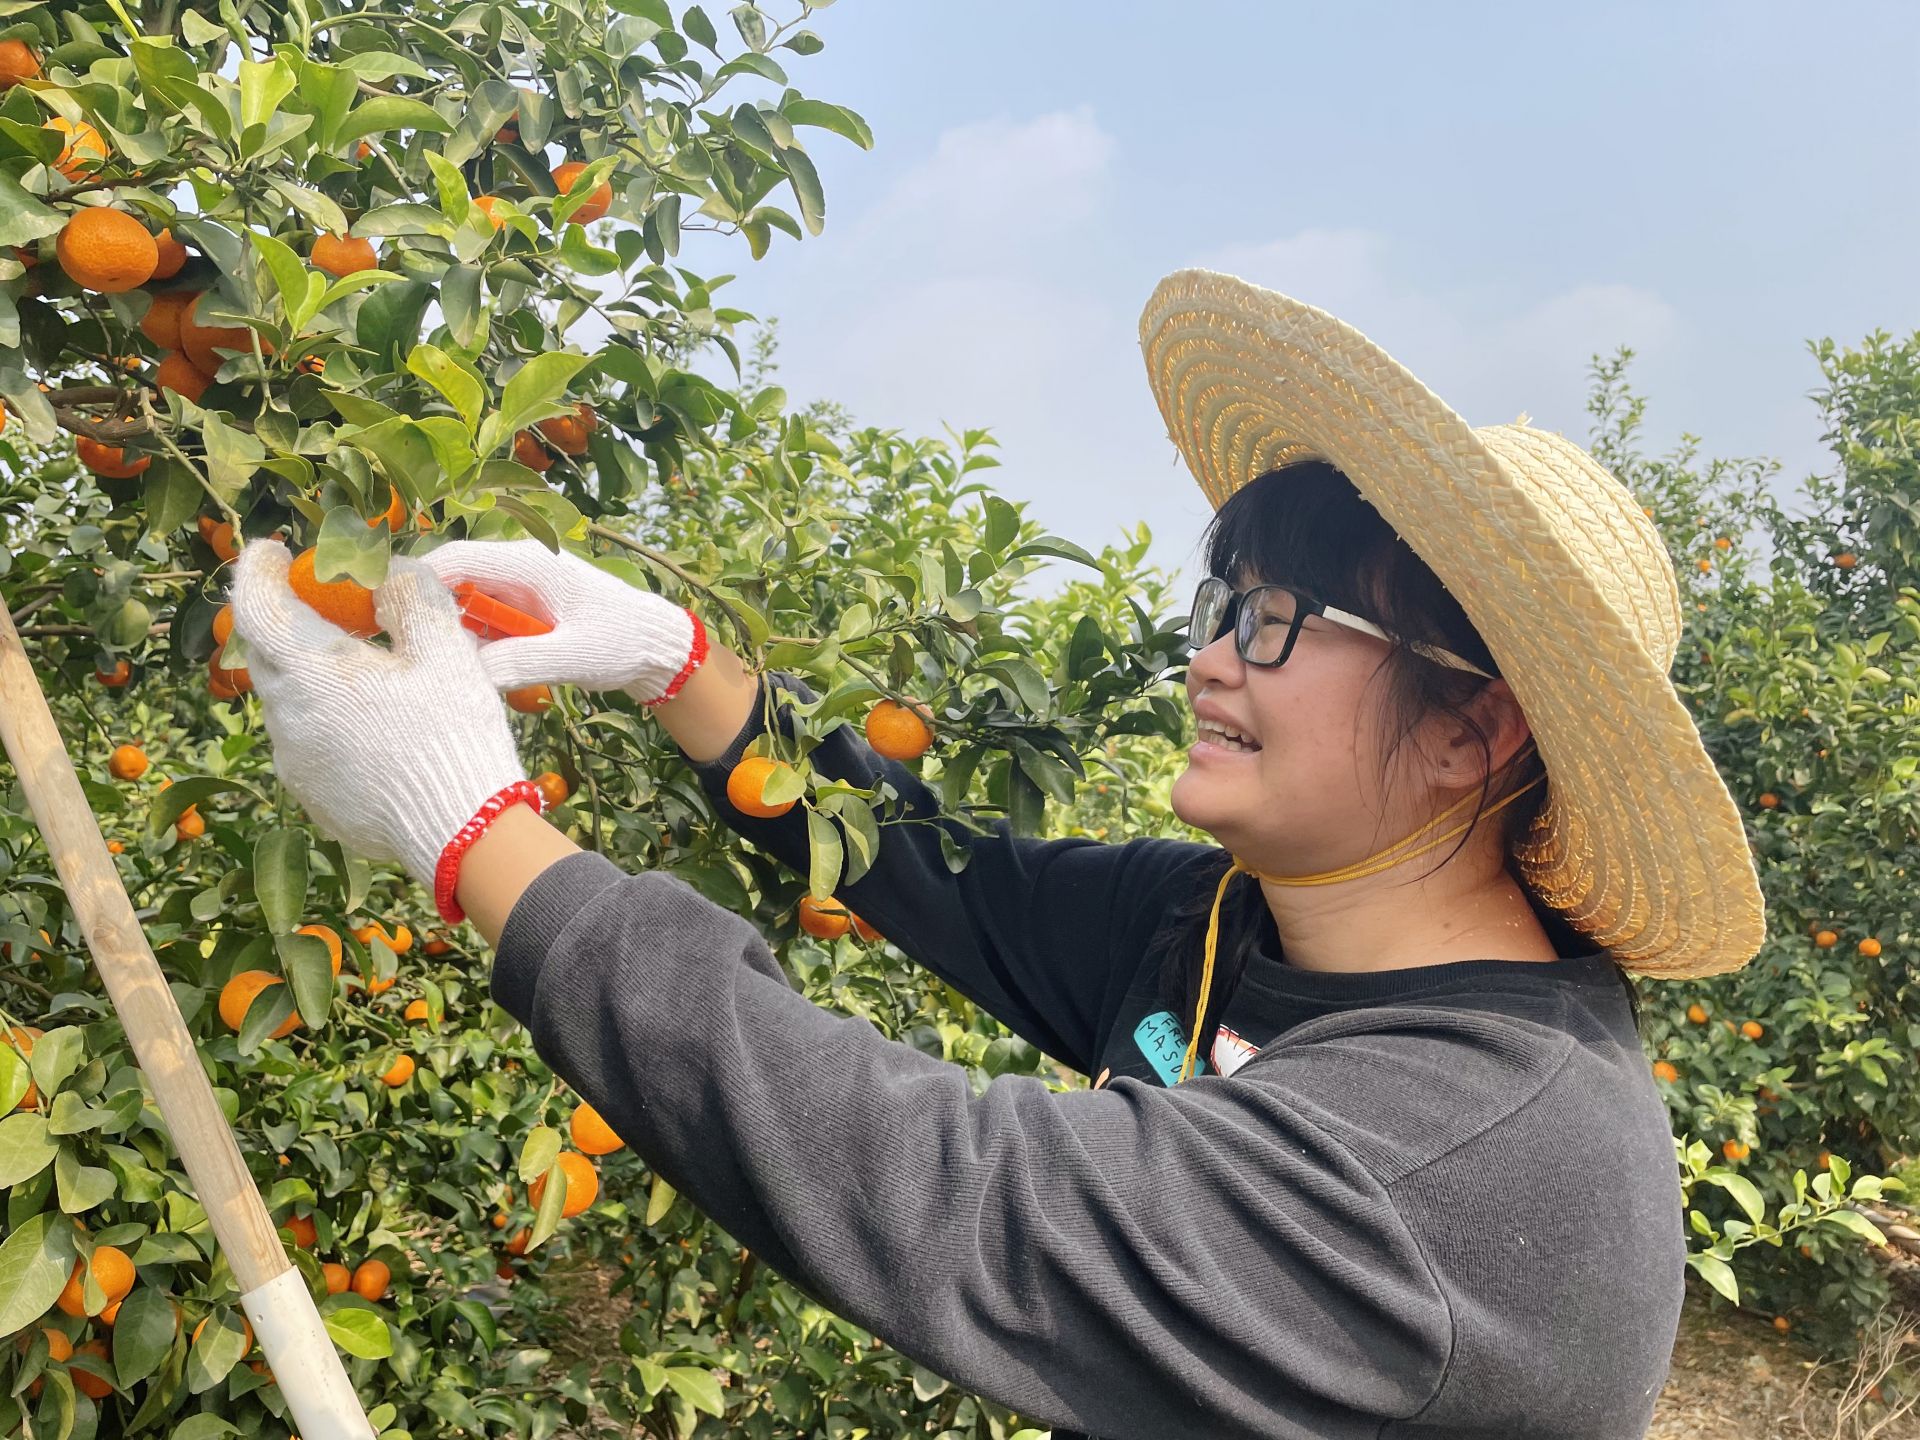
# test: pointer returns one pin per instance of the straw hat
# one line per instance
(1638, 843)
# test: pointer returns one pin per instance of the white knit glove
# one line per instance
(390, 752)
(607, 634)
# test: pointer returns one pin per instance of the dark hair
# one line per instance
(1305, 525)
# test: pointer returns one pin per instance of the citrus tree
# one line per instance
(367, 278)
(1800, 662)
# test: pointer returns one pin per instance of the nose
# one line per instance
(1218, 663)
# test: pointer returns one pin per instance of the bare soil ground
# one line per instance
(1734, 1376)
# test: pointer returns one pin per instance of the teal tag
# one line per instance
(1162, 1041)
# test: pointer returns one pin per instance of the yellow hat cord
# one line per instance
(1380, 860)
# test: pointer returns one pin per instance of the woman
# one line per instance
(1373, 1147)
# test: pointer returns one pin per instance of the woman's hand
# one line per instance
(607, 634)
(390, 752)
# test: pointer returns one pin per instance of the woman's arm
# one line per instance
(716, 701)
(1045, 935)
(1207, 1260)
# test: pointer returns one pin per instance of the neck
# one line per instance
(1381, 922)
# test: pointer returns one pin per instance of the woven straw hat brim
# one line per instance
(1639, 843)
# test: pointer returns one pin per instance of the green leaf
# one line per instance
(361, 1333)
(384, 65)
(698, 1388)
(1856, 1223)
(480, 1318)
(263, 85)
(328, 91)
(659, 1200)
(806, 189)
(290, 275)
(837, 118)
(1055, 546)
(280, 877)
(583, 257)
(319, 211)
(463, 303)
(56, 1055)
(553, 1199)
(451, 186)
(267, 1013)
(488, 107)
(463, 389)
(580, 191)
(232, 455)
(220, 1346)
(81, 1186)
(388, 321)
(1743, 1190)
(309, 965)
(538, 1152)
(25, 1148)
(390, 112)
(535, 390)
(1717, 1273)
(15, 1079)
(171, 803)
(172, 495)
(1003, 524)
(695, 25)
(35, 1261)
(143, 1332)
(926, 1384)
(824, 855)
(348, 547)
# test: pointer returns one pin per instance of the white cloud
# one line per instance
(1490, 354)
(995, 284)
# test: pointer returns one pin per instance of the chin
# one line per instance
(1189, 805)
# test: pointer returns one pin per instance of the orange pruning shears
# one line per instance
(493, 619)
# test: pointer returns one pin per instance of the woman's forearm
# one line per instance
(712, 706)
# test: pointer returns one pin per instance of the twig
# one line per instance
(158, 628)
(14, 977)
(33, 605)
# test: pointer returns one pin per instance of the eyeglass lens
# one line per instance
(1265, 620)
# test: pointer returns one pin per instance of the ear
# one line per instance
(1500, 719)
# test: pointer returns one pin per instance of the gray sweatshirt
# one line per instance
(1437, 1202)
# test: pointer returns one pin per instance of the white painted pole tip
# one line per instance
(305, 1365)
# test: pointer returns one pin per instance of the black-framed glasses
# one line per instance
(1266, 620)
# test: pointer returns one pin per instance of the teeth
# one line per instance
(1223, 735)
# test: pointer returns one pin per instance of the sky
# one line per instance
(1493, 193)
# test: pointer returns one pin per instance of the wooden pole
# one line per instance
(308, 1368)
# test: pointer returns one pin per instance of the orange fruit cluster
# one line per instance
(110, 1267)
(341, 255)
(829, 920)
(748, 779)
(108, 461)
(569, 433)
(219, 537)
(598, 200)
(583, 1185)
(237, 996)
(898, 733)
(106, 250)
(346, 602)
(591, 1133)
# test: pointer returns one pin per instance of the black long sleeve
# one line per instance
(1044, 935)
(1134, 1261)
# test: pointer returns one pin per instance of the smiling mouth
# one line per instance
(1225, 737)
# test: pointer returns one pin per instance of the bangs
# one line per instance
(1307, 527)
